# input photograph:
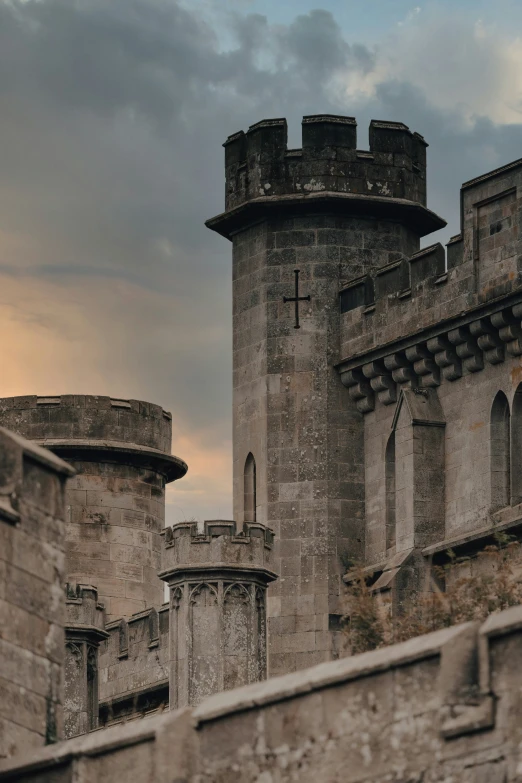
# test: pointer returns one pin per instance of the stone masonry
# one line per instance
(120, 450)
(84, 630)
(32, 602)
(335, 214)
(217, 587)
(441, 708)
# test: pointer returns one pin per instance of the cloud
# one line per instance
(112, 116)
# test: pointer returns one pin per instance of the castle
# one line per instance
(377, 418)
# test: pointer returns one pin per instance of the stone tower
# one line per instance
(120, 450)
(217, 584)
(303, 223)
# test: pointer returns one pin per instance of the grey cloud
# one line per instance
(112, 120)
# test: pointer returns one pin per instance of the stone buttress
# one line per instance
(323, 215)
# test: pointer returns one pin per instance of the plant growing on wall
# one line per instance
(474, 588)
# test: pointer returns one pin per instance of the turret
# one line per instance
(116, 502)
(260, 170)
(217, 593)
(305, 225)
(84, 630)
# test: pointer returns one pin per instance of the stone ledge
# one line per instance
(327, 674)
(37, 453)
(514, 521)
(410, 212)
(90, 448)
(444, 351)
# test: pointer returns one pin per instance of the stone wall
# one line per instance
(441, 708)
(134, 666)
(32, 601)
(454, 334)
(88, 417)
(403, 300)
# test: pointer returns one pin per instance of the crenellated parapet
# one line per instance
(85, 419)
(84, 610)
(437, 316)
(217, 585)
(329, 170)
(220, 546)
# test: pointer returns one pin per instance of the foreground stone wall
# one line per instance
(32, 600)
(441, 708)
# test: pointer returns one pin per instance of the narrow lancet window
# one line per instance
(516, 449)
(499, 449)
(390, 492)
(250, 489)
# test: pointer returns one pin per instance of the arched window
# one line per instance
(499, 451)
(389, 473)
(250, 489)
(516, 448)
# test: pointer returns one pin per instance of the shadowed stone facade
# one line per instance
(32, 601)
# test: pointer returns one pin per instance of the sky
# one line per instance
(112, 117)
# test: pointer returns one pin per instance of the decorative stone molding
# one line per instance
(446, 356)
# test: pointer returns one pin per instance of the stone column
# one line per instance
(217, 584)
(84, 630)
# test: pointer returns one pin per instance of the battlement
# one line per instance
(259, 164)
(221, 545)
(83, 610)
(88, 417)
(436, 300)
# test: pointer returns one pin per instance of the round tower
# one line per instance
(217, 583)
(116, 502)
(314, 231)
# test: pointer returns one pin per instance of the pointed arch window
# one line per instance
(516, 448)
(250, 489)
(389, 472)
(500, 452)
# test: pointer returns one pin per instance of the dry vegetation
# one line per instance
(490, 586)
